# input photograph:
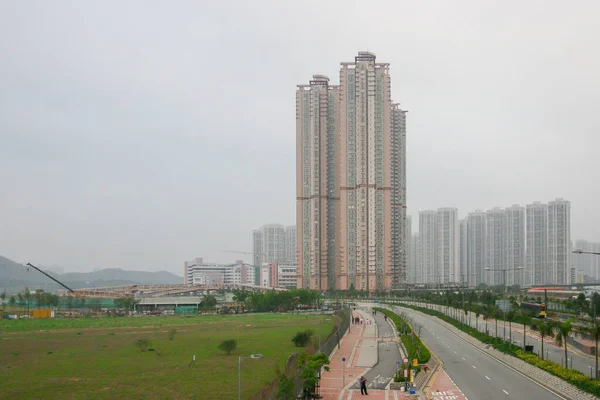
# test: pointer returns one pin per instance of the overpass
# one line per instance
(162, 290)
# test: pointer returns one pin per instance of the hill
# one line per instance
(14, 277)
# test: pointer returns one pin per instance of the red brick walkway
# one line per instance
(443, 388)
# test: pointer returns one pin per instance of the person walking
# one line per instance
(363, 386)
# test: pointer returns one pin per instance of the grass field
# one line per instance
(96, 358)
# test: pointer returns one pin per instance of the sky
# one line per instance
(139, 134)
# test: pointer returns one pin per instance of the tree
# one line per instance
(564, 330)
(477, 314)
(3, 297)
(209, 301)
(311, 369)
(12, 301)
(595, 332)
(302, 339)
(544, 328)
(126, 302)
(510, 317)
(227, 346)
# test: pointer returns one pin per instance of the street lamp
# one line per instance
(504, 275)
(579, 251)
(252, 356)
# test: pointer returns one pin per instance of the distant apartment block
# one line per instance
(537, 243)
(415, 257)
(408, 247)
(274, 243)
(426, 270)
(269, 275)
(476, 251)
(198, 272)
(447, 245)
(463, 252)
(495, 247)
(287, 276)
(515, 245)
(559, 243)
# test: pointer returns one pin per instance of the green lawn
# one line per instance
(96, 358)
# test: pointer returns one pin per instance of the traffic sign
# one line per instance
(343, 358)
(405, 360)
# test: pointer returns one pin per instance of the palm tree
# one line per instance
(525, 318)
(477, 314)
(564, 330)
(510, 317)
(544, 328)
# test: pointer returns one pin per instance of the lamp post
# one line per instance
(504, 274)
(252, 356)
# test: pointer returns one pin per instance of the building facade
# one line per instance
(290, 244)
(287, 276)
(537, 243)
(257, 248)
(559, 243)
(463, 253)
(350, 180)
(447, 245)
(427, 271)
(415, 258)
(476, 242)
(408, 247)
(515, 245)
(495, 247)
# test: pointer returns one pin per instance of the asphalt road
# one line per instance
(477, 375)
(555, 353)
(383, 372)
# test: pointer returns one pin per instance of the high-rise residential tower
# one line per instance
(427, 271)
(317, 189)
(463, 252)
(290, 245)
(351, 180)
(408, 246)
(257, 248)
(536, 215)
(515, 245)
(495, 247)
(476, 242)
(559, 243)
(415, 257)
(447, 245)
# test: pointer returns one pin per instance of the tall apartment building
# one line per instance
(495, 247)
(537, 243)
(559, 243)
(427, 271)
(350, 180)
(407, 246)
(415, 257)
(316, 185)
(463, 252)
(582, 262)
(476, 252)
(257, 247)
(290, 244)
(515, 245)
(447, 245)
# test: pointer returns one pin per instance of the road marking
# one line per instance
(505, 392)
(474, 367)
(487, 377)
(464, 359)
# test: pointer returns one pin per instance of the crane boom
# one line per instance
(54, 279)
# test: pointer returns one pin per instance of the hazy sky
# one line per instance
(139, 134)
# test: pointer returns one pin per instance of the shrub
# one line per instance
(302, 339)
(142, 344)
(172, 333)
(227, 346)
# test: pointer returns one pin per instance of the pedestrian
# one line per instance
(361, 321)
(363, 386)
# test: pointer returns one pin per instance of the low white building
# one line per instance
(287, 277)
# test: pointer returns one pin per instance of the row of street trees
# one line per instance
(278, 301)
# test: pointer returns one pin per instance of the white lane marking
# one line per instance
(474, 367)
(487, 377)
(464, 359)
(505, 392)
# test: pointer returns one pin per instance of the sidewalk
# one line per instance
(360, 349)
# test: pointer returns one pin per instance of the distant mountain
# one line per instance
(14, 277)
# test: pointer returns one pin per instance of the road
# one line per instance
(555, 353)
(383, 372)
(476, 374)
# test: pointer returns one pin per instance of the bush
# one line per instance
(142, 344)
(412, 343)
(302, 339)
(227, 346)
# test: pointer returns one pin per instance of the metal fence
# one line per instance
(327, 347)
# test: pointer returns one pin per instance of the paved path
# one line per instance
(339, 383)
(444, 388)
